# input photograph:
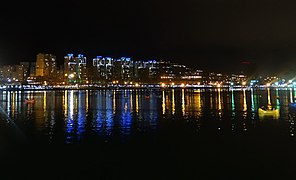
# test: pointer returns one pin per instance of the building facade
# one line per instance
(45, 67)
(75, 69)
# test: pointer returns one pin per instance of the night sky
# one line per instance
(211, 34)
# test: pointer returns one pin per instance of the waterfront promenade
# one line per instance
(123, 86)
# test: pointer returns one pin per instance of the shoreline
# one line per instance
(141, 87)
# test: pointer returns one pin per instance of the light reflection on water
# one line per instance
(74, 116)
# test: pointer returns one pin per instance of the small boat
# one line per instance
(30, 100)
(268, 112)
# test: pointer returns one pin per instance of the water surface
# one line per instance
(181, 132)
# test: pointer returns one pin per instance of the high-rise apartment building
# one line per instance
(45, 65)
(32, 69)
(104, 68)
(75, 69)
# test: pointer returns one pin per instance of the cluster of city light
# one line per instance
(161, 74)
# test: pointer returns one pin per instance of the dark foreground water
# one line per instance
(142, 134)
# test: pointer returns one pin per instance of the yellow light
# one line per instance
(87, 82)
(244, 83)
(182, 85)
(173, 84)
(163, 85)
(114, 82)
(71, 76)
(218, 85)
(268, 84)
(137, 85)
(66, 74)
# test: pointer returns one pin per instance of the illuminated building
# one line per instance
(75, 69)
(126, 69)
(108, 69)
(141, 72)
(14, 73)
(25, 71)
(193, 76)
(123, 69)
(153, 69)
(178, 70)
(18, 73)
(166, 71)
(45, 66)
(59, 78)
(147, 71)
(103, 68)
(32, 73)
(238, 78)
(32, 69)
(7, 73)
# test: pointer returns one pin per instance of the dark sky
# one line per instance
(213, 34)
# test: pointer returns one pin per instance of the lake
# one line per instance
(118, 134)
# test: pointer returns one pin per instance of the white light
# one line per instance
(71, 76)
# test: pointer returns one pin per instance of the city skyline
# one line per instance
(158, 89)
(211, 34)
(102, 71)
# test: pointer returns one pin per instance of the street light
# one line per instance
(71, 76)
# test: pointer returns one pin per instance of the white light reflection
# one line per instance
(163, 102)
(245, 100)
(252, 100)
(291, 95)
(268, 96)
(12, 104)
(219, 99)
(183, 102)
(71, 104)
(70, 118)
(8, 103)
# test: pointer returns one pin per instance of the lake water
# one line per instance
(185, 133)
